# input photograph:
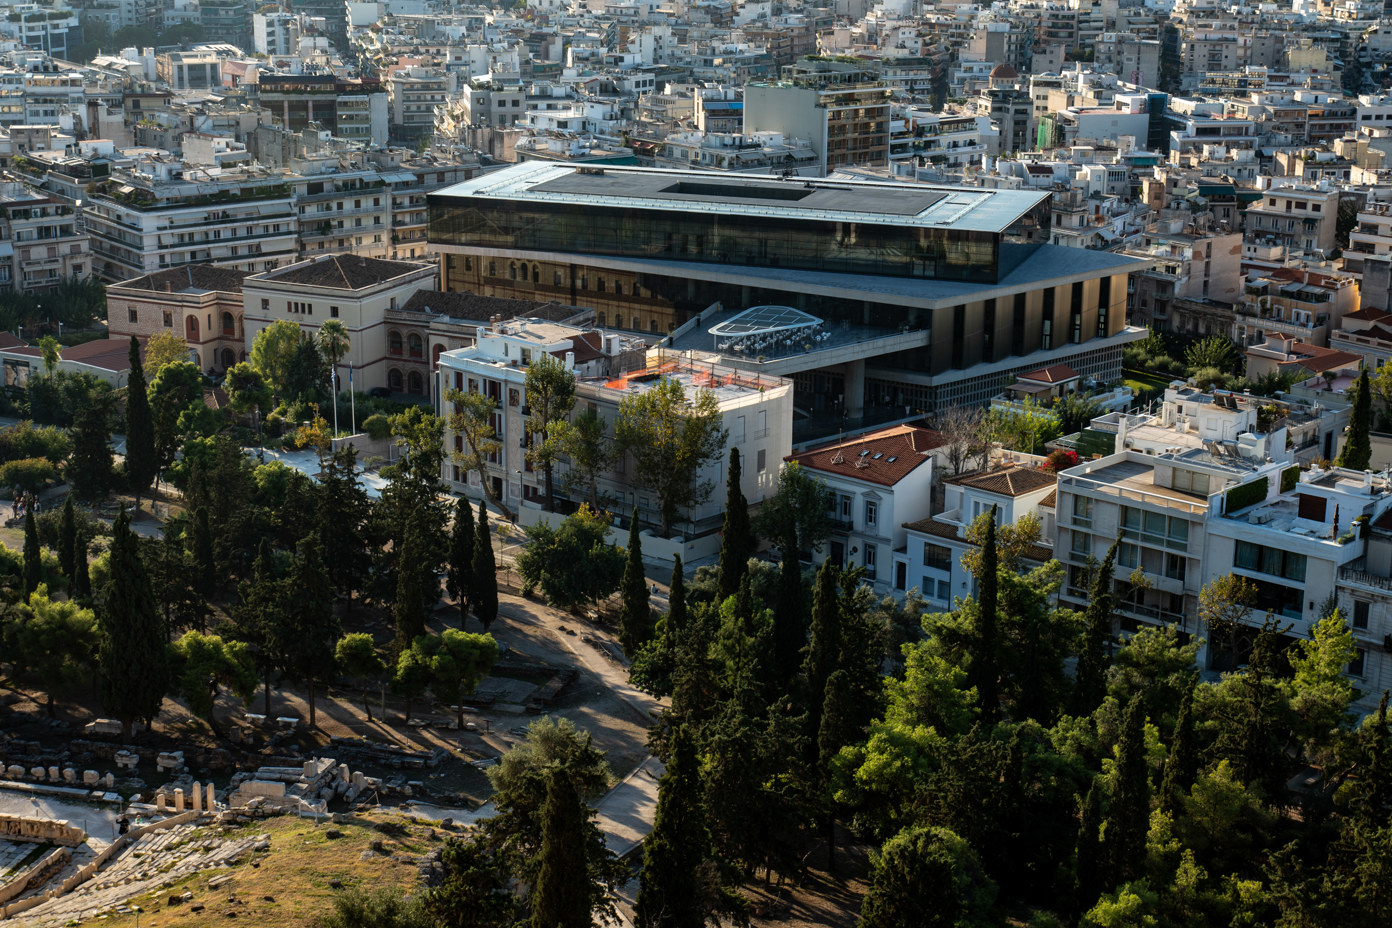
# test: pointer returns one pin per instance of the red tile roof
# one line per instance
(1010, 480)
(1055, 373)
(884, 457)
(1369, 313)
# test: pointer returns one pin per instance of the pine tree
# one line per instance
(141, 464)
(563, 895)
(671, 891)
(1358, 449)
(736, 537)
(343, 510)
(484, 575)
(984, 673)
(459, 577)
(67, 541)
(823, 644)
(1182, 762)
(1090, 679)
(33, 555)
(635, 621)
(133, 656)
(1087, 868)
(1128, 813)
(789, 622)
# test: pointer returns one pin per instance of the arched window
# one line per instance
(435, 353)
(229, 325)
(191, 327)
(492, 268)
(599, 318)
(229, 358)
(536, 273)
(417, 346)
(394, 342)
(415, 383)
(394, 380)
(512, 271)
(524, 272)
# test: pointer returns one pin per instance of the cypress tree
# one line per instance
(563, 896)
(133, 654)
(459, 577)
(33, 556)
(823, 644)
(837, 730)
(1087, 868)
(1182, 763)
(409, 607)
(90, 468)
(203, 542)
(676, 602)
(736, 537)
(635, 621)
(670, 891)
(141, 464)
(1090, 679)
(81, 582)
(483, 583)
(1358, 449)
(309, 630)
(789, 624)
(1128, 813)
(984, 673)
(67, 541)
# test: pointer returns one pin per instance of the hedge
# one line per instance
(1289, 478)
(28, 473)
(1248, 494)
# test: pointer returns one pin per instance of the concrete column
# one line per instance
(854, 387)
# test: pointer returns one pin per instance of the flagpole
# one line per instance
(352, 398)
(334, 378)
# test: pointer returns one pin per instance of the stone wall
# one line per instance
(37, 875)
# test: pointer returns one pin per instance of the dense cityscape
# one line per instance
(655, 465)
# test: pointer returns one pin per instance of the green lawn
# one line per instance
(1145, 384)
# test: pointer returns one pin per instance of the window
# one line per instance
(417, 346)
(132, 316)
(556, 278)
(738, 436)
(871, 551)
(333, 312)
(937, 557)
(1190, 481)
(415, 383)
(1360, 613)
(265, 305)
(168, 319)
(1129, 555)
(1275, 562)
(1155, 528)
(394, 380)
(763, 461)
(394, 342)
(845, 507)
(1355, 666)
(945, 590)
(514, 396)
(1082, 510)
(872, 512)
(1081, 544)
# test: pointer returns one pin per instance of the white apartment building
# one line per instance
(879, 481)
(161, 214)
(931, 558)
(41, 244)
(1301, 218)
(757, 414)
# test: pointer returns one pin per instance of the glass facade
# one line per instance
(776, 240)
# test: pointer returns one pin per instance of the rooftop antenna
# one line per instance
(838, 457)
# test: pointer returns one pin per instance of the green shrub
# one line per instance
(12, 568)
(51, 519)
(273, 425)
(1289, 478)
(377, 427)
(28, 440)
(30, 473)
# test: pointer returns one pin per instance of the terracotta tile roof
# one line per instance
(886, 456)
(1054, 373)
(933, 527)
(191, 278)
(8, 340)
(1050, 501)
(1369, 313)
(1010, 480)
(587, 346)
(342, 272)
(477, 308)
